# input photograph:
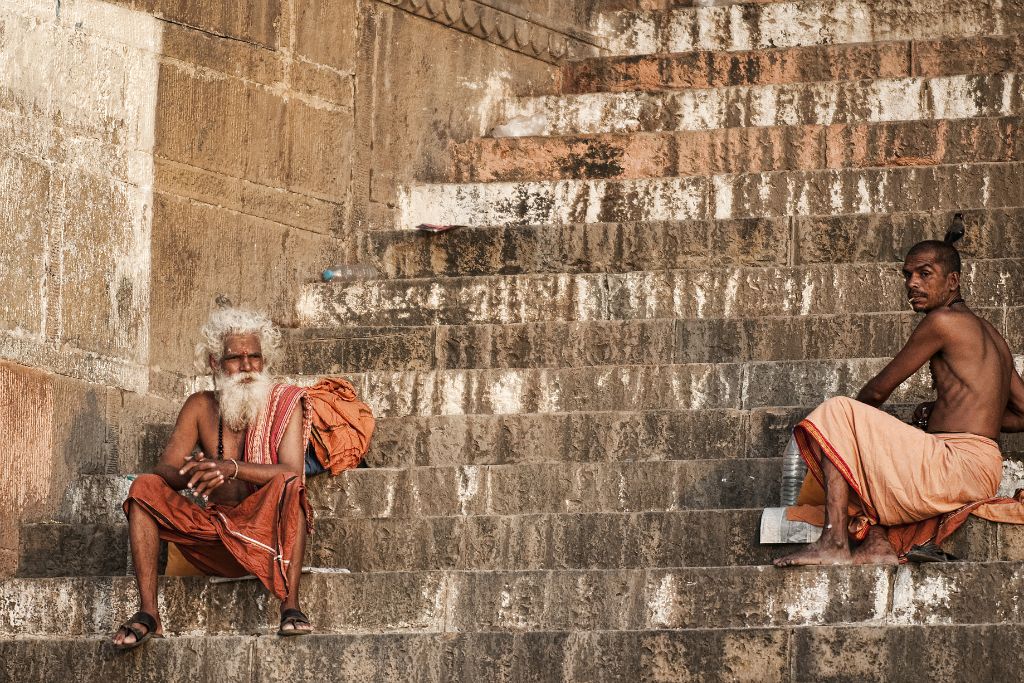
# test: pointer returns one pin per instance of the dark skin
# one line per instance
(207, 476)
(978, 391)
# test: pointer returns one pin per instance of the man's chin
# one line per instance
(922, 307)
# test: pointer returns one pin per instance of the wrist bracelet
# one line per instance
(235, 475)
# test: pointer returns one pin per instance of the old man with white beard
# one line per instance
(240, 450)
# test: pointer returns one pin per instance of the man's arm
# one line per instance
(1013, 418)
(179, 447)
(926, 340)
(203, 476)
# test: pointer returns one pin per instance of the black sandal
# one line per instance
(140, 617)
(294, 617)
(929, 552)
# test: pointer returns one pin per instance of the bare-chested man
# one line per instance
(872, 471)
(251, 436)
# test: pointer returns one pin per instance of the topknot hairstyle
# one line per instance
(946, 255)
(227, 321)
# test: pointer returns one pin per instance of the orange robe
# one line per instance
(254, 537)
(257, 535)
(342, 424)
(919, 486)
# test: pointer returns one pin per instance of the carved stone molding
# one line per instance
(503, 28)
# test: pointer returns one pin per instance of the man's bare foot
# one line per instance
(294, 622)
(821, 552)
(139, 627)
(875, 549)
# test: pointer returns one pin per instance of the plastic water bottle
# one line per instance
(347, 272)
(794, 469)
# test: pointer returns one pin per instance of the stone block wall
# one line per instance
(155, 154)
(276, 148)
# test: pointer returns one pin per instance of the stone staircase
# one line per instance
(583, 395)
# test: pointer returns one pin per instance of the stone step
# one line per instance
(691, 386)
(621, 599)
(512, 489)
(691, 293)
(487, 543)
(748, 26)
(812, 63)
(618, 436)
(691, 538)
(625, 156)
(899, 654)
(753, 195)
(961, 96)
(629, 246)
(613, 342)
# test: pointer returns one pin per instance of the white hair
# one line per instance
(225, 322)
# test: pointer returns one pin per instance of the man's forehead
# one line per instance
(242, 342)
(920, 260)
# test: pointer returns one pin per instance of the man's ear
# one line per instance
(955, 280)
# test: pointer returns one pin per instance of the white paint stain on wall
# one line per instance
(469, 487)
(506, 393)
(810, 598)
(661, 604)
(920, 598)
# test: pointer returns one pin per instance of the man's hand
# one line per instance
(204, 476)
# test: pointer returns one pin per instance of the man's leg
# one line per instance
(875, 549)
(294, 578)
(144, 536)
(833, 547)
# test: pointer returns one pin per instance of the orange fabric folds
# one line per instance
(254, 537)
(342, 424)
(919, 486)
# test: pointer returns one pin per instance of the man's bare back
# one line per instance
(972, 375)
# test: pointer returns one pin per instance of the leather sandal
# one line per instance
(144, 618)
(294, 617)
(929, 552)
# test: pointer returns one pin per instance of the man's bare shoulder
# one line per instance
(943, 321)
(198, 403)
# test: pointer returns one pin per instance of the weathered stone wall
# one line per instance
(77, 110)
(78, 96)
(277, 148)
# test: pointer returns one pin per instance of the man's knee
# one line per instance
(145, 485)
(838, 402)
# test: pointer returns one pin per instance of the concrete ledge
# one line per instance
(679, 598)
(625, 156)
(900, 654)
(636, 246)
(806, 63)
(746, 26)
(824, 193)
(688, 293)
(610, 342)
(792, 104)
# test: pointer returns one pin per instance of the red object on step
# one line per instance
(435, 228)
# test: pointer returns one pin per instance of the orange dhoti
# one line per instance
(254, 537)
(919, 486)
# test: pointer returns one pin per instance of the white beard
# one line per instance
(241, 403)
